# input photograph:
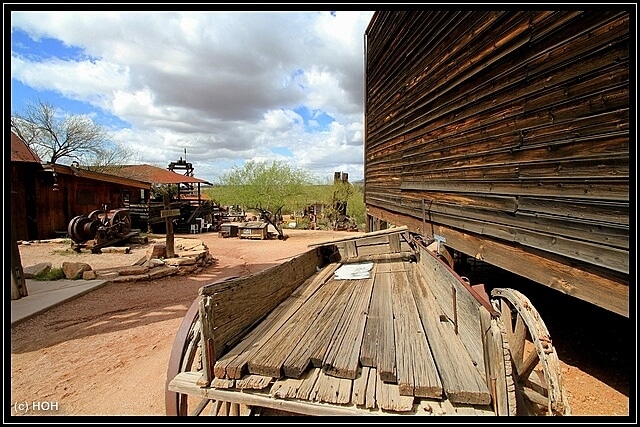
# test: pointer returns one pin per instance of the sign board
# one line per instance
(165, 213)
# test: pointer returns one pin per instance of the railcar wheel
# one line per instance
(97, 214)
(121, 221)
(536, 368)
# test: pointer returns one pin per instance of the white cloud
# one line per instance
(222, 85)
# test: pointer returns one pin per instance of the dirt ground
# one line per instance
(107, 352)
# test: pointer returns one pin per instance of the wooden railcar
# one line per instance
(505, 135)
(376, 324)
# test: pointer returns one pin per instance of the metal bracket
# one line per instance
(440, 240)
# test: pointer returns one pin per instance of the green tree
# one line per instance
(55, 137)
(356, 209)
(263, 186)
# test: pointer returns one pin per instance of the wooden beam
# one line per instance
(608, 292)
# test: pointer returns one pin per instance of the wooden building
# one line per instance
(25, 166)
(45, 197)
(193, 204)
(505, 134)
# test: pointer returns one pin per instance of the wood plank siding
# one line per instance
(506, 133)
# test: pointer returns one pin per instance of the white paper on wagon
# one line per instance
(361, 270)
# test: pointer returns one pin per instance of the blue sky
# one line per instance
(227, 87)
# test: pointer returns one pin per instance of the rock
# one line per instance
(176, 262)
(74, 270)
(162, 272)
(153, 262)
(106, 275)
(157, 250)
(35, 270)
(194, 253)
(116, 249)
(133, 270)
(89, 275)
(187, 269)
(130, 278)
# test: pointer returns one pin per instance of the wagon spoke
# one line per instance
(535, 397)
(527, 367)
(519, 339)
(536, 374)
(200, 407)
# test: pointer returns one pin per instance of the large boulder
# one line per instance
(74, 270)
(36, 270)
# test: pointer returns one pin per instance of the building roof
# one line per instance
(98, 176)
(20, 151)
(154, 175)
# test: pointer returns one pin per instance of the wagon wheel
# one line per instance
(121, 219)
(185, 356)
(536, 368)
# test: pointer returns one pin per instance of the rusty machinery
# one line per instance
(103, 227)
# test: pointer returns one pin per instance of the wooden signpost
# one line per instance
(168, 215)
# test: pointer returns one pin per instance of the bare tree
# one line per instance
(107, 157)
(75, 137)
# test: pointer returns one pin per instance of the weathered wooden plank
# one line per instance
(307, 385)
(359, 236)
(270, 357)
(342, 356)
(310, 347)
(613, 191)
(208, 353)
(373, 249)
(223, 383)
(388, 397)
(370, 394)
(606, 223)
(234, 409)
(513, 229)
(380, 239)
(360, 387)
(253, 382)
(394, 243)
(608, 291)
(296, 388)
(498, 374)
(234, 315)
(462, 380)
(185, 383)
(386, 350)
(417, 372)
(350, 250)
(234, 363)
(369, 348)
(332, 390)
(455, 300)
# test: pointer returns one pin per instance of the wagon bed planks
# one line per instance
(233, 364)
(312, 347)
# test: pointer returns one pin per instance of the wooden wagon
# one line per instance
(377, 324)
(253, 230)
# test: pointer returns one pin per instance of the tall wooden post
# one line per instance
(18, 284)
(169, 225)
